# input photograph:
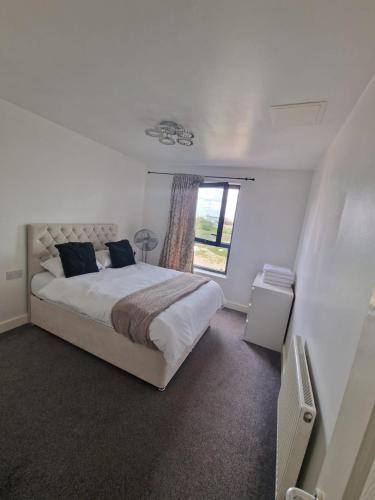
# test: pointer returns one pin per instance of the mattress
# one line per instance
(95, 294)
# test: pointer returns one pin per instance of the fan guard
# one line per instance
(146, 240)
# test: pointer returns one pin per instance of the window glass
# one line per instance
(210, 257)
(216, 210)
(230, 213)
(208, 212)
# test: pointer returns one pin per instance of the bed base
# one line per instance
(102, 341)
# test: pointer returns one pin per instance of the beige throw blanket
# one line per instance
(133, 314)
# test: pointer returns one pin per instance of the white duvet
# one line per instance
(172, 331)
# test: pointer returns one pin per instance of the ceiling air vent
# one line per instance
(297, 115)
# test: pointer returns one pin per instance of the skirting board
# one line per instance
(236, 307)
(11, 323)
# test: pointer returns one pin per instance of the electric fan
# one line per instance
(146, 240)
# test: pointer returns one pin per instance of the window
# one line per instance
(216, 209)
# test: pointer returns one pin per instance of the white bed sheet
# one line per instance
(39, 280)
(172, 331)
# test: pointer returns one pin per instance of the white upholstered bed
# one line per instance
(98, 337)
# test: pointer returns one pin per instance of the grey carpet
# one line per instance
(75, 427)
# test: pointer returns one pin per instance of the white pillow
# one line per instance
(103, 258)
(55, 267)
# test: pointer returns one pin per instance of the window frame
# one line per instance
(218, 243)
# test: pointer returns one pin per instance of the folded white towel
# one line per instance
(281, 271)
(273, 276)
(277, 283)
(282, 275)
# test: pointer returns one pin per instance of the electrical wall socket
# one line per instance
(13, 275)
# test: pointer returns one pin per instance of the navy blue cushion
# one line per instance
(77, 258)
(121, 253)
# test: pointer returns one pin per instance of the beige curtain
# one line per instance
(178, 248)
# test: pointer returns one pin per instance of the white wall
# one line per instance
(336, 266)
(269, 217)
(50, 174)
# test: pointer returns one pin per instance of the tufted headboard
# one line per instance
(42, 238)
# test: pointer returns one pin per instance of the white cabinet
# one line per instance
(268, 314)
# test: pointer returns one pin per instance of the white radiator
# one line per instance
(295, 418)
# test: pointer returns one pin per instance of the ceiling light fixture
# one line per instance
(170, 133)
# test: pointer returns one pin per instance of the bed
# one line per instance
(78, 309)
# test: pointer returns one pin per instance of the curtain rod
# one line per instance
(206, 176)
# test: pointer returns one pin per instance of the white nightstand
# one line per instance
(268, 314)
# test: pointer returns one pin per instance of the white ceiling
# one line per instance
(111, 68)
